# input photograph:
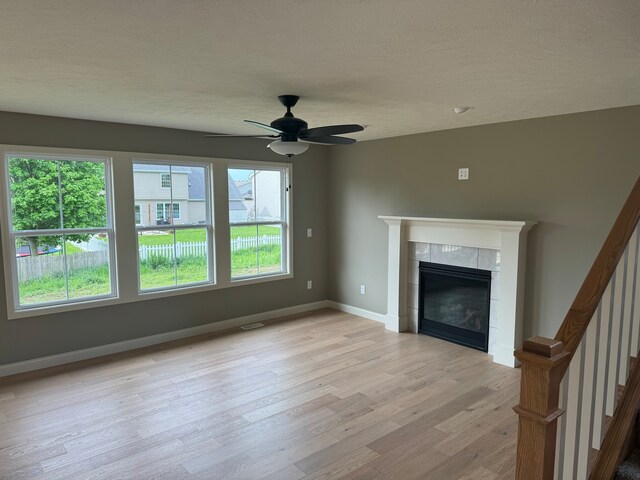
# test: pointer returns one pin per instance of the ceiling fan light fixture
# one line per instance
(288, 148)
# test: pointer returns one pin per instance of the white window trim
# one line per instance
(285, 221)
(125, 260)
(208, 227)
(14, 309)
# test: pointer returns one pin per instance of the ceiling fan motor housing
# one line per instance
(290, 127)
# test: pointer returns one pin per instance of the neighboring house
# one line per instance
(260, 193)
(237, 209)
(154, 188)
(196, 201)
(246, 188)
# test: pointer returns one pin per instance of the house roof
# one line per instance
(235, 197)
(196, 184)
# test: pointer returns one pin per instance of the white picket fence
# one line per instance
(242, 243)
(183, 249)
(197, 249)
(41, 265)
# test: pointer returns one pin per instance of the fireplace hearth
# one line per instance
(454, 304)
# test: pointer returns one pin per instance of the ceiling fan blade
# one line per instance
(329, 140)
(330, 130)
(214, 135)
(264, 125)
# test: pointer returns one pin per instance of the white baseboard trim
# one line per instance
(99, 351)
(503, 355)
(361, 312)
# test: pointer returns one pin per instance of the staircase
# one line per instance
(580, 391)
(630, 468)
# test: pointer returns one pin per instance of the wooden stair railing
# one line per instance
(615, 444)
(594, 342)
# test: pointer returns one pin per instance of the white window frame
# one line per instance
(285, 221)
(123, 243)
(208, 226)
(137, 213)
(15, 310)
(164, 208)
(162, 180)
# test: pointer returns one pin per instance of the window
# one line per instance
(165, 213)
(165, 180)
(177, 249)
(60, 229)
(259, 223)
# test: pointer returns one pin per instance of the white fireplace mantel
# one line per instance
(509, 237)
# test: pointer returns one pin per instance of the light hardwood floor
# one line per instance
(324, 395)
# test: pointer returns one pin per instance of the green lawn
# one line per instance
(154, 273)
(86, 282)
(159, 272)
(244, 262)
(71, 248)
(200, 235)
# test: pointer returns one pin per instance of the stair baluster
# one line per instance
(582, 370)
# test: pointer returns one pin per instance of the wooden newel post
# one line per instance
(544, 362)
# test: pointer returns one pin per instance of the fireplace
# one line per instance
(509, 238)
(454, 304)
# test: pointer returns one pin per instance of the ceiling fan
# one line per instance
(293, 136)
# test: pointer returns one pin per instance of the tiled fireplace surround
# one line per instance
(498, 246)
(470, 257)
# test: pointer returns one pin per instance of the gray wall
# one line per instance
(571, 173)
(46, 335)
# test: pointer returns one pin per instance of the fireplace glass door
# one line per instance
(454, 304)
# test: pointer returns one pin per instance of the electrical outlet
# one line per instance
(362, 289)
(309, 233)
(463, 174)
(309, 285)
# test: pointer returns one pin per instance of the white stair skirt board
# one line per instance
(101, 350)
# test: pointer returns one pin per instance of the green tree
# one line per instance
(38, 186)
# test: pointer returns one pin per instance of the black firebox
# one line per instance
(454, 304)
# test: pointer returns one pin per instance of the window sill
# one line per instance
(36, 311)
(261, 279)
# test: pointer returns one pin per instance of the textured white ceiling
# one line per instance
(398, 66)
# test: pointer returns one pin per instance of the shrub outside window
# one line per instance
(60, 229)
(259, 221)
(175, 233)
